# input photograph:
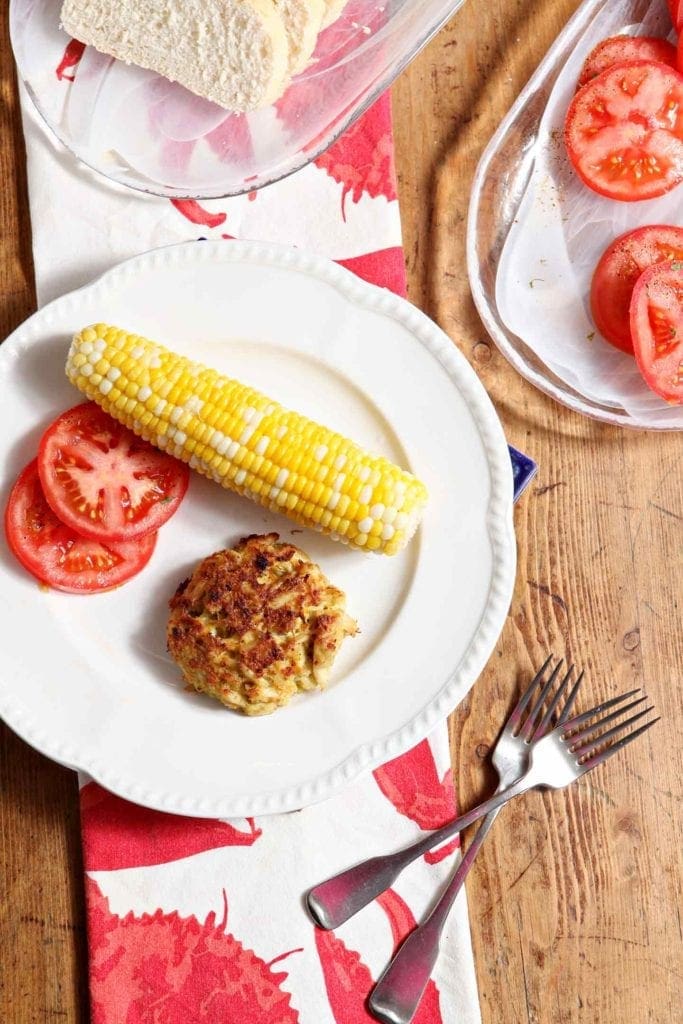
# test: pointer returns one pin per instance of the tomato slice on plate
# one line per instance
(54, 554)
(624, 131)
(676, 9)
(618, 49)
(617, 271)
(657, 329)
(103, 481)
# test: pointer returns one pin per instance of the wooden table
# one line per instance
(575, 902)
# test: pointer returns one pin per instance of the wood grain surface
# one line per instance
(575, 902)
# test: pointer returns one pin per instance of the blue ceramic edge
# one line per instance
(524, 470)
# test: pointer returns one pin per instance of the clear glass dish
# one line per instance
(565, 239)
(144, 132)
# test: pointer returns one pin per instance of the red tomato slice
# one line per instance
(619, 268)
(619, 49)
(657, 329)
(624, 131)
(103, 481)
(676, 9)
(54, 554)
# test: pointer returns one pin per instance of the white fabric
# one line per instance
(75, 241)
(81, 226)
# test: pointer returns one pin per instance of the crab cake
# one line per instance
(255, 625)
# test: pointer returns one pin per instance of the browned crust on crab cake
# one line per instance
(257, 624)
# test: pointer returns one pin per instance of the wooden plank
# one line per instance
(574, 902)
(42, 931)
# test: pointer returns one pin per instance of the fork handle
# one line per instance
(333, 902)
(396, 996)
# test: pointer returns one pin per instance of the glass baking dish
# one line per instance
(535, 234)
(144, 132)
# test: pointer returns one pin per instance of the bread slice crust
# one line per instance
(303, 20)
(233, 52)
(334, 9)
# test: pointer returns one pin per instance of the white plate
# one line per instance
(536, 232)
(87, 680)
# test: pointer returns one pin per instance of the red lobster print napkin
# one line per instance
(202, 921)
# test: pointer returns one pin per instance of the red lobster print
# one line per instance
(348, 981)
(412, 784)
(231, 140)
(385, 268)
(72, 56)
(117, 834)
(167, 969)
(363, 159)
(196, 214)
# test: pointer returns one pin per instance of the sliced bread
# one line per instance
(303, 20)
(334, 9)
(234, 52)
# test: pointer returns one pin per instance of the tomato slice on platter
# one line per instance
(617, 271)
(657, 329)
(103, 481)
(619, 49)
(624, 131)
(676, 10)
(55, 555)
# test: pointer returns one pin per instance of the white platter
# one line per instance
(87, 681)
(535, 234)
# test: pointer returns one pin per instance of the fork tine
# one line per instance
(619, 745)
(580, 737)
(592, 745)
(569, 703)
(527, 729)
(545, 721)
(527, 695)
(580, 719)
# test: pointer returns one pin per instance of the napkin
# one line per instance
(202, 920)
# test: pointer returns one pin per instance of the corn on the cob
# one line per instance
(247, 442)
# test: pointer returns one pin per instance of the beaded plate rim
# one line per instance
(499, 524)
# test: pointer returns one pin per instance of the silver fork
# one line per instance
(562, 756)
(339, 898)
(510, 759)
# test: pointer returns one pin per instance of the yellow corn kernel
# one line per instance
(247, 442)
